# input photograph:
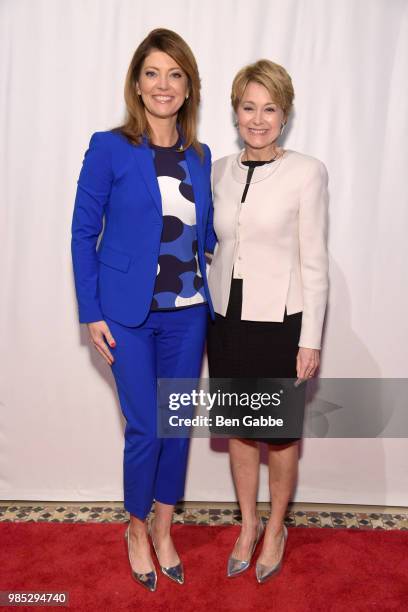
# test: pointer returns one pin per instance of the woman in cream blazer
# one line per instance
(269, 282)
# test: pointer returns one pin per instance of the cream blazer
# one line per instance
(279, 235)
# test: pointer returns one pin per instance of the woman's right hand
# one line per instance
(98, 331)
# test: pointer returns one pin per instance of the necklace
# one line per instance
(278, 151)
(264, 171)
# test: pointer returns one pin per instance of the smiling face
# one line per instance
(162, 84)
(259, 118)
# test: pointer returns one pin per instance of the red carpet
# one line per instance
(325, 570)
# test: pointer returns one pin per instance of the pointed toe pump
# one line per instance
(264, 572)
(175, 572)
(148, 580)
(238, 566)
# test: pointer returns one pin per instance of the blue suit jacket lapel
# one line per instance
(148, 171)
(196, 174)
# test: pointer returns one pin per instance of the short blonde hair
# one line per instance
(272, 76)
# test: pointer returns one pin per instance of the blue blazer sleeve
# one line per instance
(210, 236)
(93, 191)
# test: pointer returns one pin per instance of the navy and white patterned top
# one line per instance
(178, 282)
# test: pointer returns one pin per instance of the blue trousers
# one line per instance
(169, 344)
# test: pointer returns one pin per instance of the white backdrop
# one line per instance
(63, 65)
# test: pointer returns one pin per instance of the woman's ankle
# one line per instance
(160, 530)
(250, 522)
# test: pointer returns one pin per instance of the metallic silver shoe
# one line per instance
(264, 572)
(149, 580)
(237, 566)
(174, 572)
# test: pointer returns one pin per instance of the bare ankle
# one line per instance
(137, 530)
(250, 522)
(274, 528)
(160, 530)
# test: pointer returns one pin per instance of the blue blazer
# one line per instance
(118, 181)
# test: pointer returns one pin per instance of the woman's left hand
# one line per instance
(307, 362)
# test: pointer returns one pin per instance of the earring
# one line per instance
(187, 96)
(283, 125)
(235, 122)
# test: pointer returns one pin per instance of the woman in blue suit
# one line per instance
(143, 292)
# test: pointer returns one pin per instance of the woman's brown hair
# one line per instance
(136, 124)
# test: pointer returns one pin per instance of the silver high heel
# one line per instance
(149, 580)
(237, 566)
(175, 572)
(264, 572)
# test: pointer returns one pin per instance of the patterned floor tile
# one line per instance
(227, 514)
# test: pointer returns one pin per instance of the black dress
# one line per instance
(239, 349)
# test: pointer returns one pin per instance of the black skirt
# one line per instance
(240, 349)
